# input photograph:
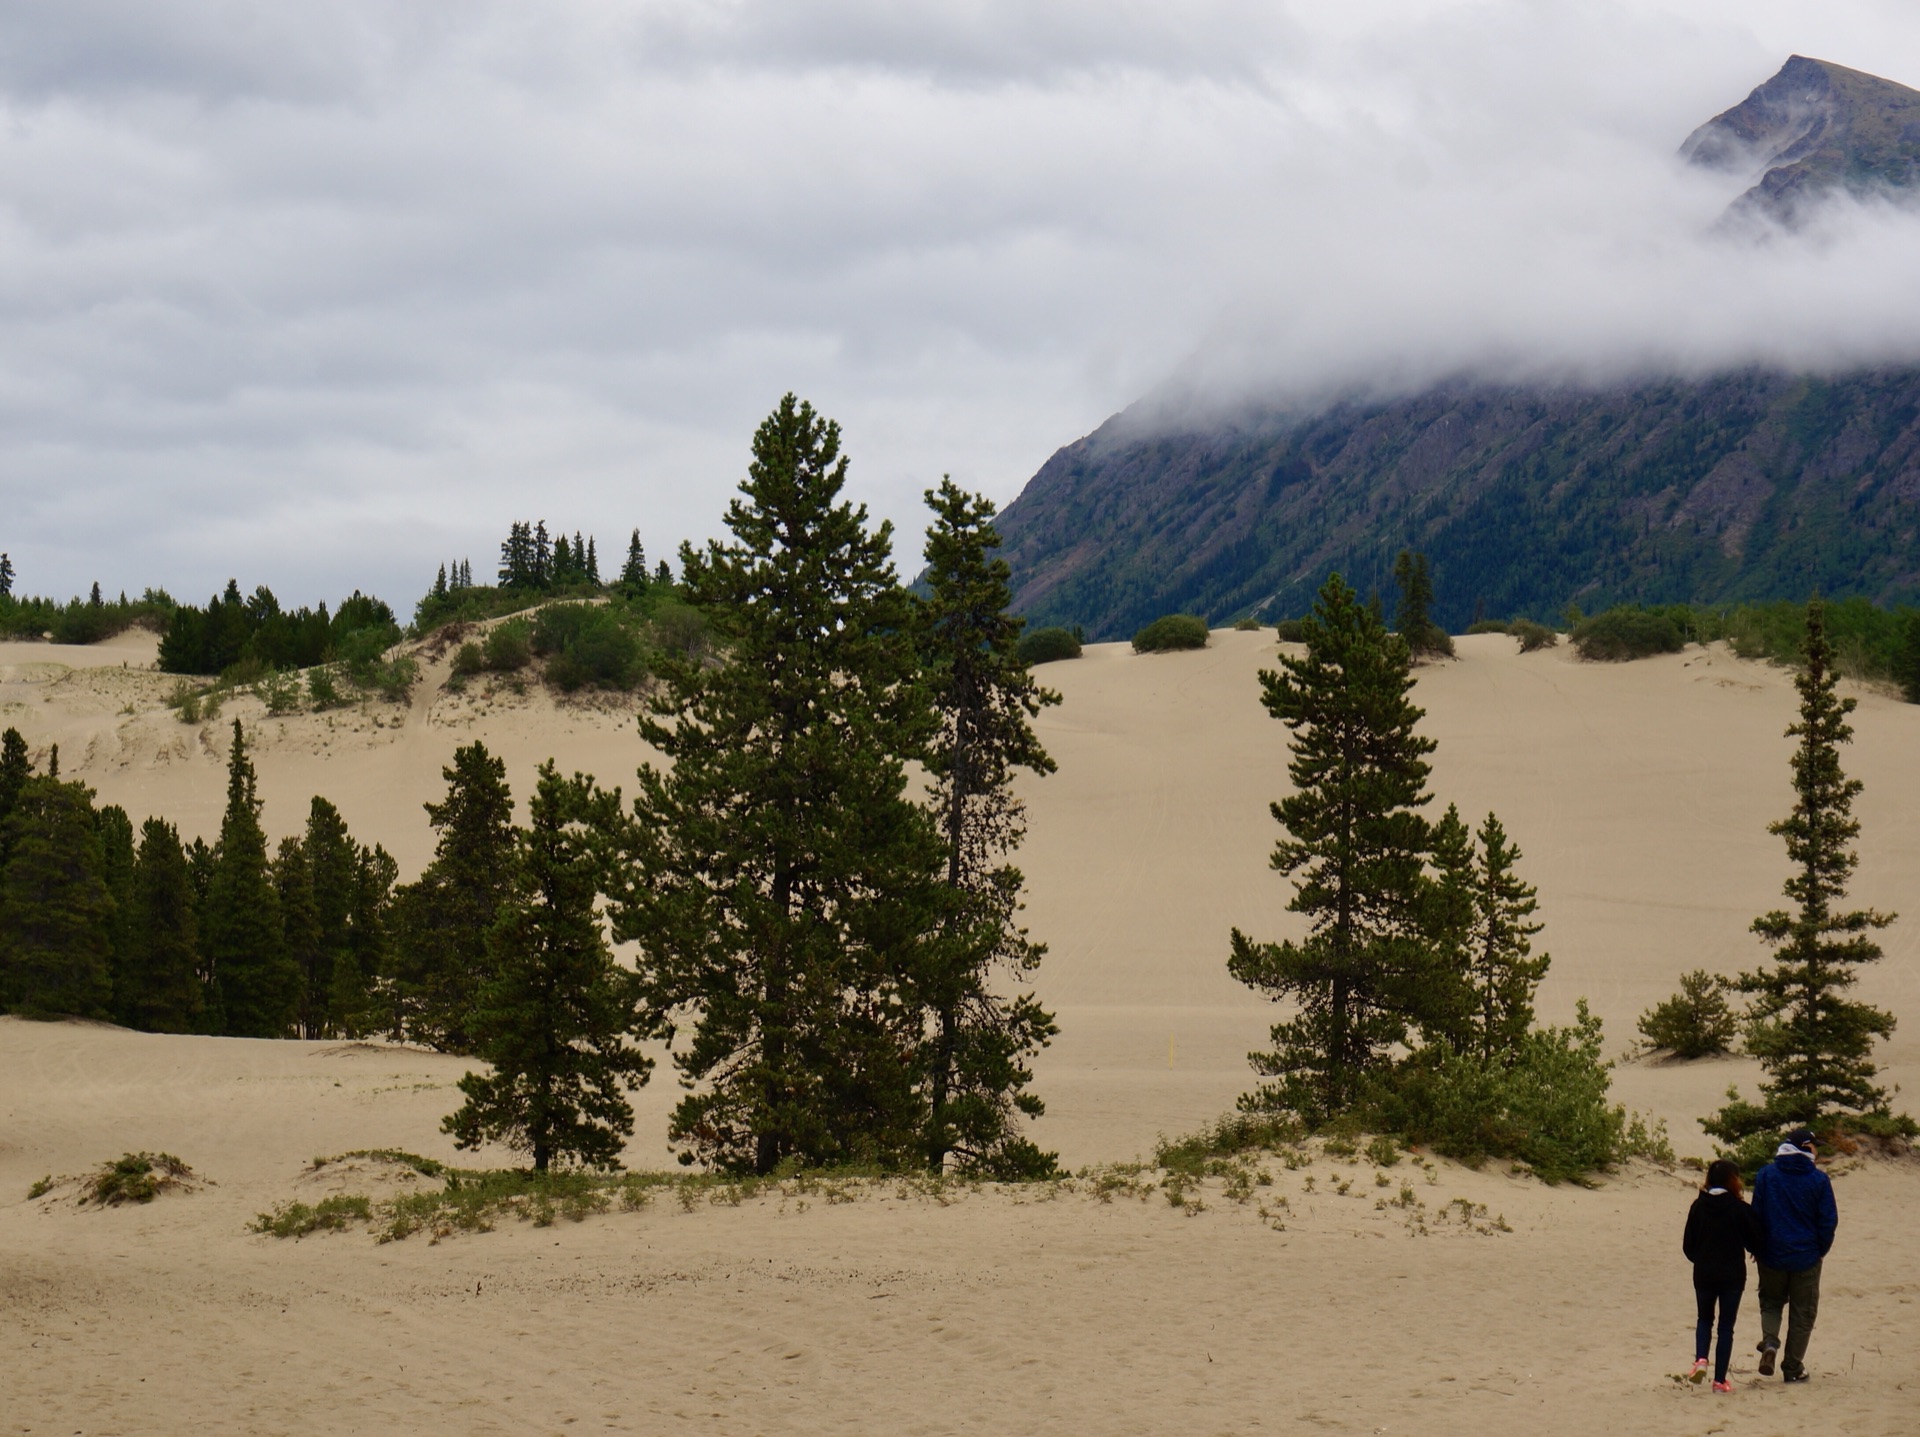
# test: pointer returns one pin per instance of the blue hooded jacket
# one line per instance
(1794, 1201)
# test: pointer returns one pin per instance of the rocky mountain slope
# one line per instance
(1742, 486)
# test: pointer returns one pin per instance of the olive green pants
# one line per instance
(1799, 1293)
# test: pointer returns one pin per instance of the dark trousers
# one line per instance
(1707, 1292)
(1799, 1294)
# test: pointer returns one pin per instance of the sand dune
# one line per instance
(1640, 795)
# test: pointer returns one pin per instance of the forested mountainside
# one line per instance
(1746, 486)
(1749, 485)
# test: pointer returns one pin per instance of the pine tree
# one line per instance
(1413, 622)
(300, 933)
(6, 577)
(360, 1001)
(1505, 973)
(563, 570)
(1908, 664)
(1814, 1044)
(981, 1037)
(540, 557)
(331, 859)
(593, 563)
(1358, 844)
(1448, 928)
(240, 930)
(444, 916)
(55, 910)
(662, 575)
(115, 830)
(163, 992)
(783, 881)
(556, 1012)
(440, 583)
(633, 574)
(15, 769)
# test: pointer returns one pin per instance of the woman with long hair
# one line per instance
(1721, 1231)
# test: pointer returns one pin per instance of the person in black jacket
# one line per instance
(1721, 1231)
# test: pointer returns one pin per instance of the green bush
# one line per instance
(1549, 1110)
(681, 629)
(1533, 636)
(1173, 631)
(1248, 625)
(1489, 626)
(1291, 631)
(279, 692)
(330, 1214)
(1046, 646)
(1696, 1022)
(508, 647)
(136, 1177)
(322, 692)
(589, 645)
(1627, 633)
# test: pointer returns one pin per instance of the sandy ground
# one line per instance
(1640, 794)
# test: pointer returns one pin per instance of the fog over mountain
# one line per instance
(321, 295)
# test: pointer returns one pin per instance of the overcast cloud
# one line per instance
(321, 295)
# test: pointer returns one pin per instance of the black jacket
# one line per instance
(1721, 1231)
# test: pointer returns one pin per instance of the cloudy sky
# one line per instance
(318, 295)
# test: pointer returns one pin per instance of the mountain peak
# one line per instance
(1814, 128)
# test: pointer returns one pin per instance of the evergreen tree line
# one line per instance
(171, 937)
(832, 953)
(78, 620)
(253, 634)
(535, 565)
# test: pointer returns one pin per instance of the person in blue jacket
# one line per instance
(1794, 1201)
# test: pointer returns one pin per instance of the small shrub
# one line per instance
(1171, 632)
(1046, 646)
(1533, 636)
(41, 1188)
(1292, 631)
(322, 692)
(681, 629)
(330, 1214)
(1248, 625)
(280, 692)
(185, 700)
(508, 646)
(588, 645)
(469, 659)
(1626, 633)
(1696, 1022)
(1384, 1151)
(1489, 626)
(136, 1177)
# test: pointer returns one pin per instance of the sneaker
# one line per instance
(1723, 1387)
(1800, 1376)
(1700, 1366)
(1767, 1351)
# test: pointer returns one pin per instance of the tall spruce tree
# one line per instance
(55, 910)
(1358, 844)
(1414, 622)
(782, 880)
(6, 576)
(331, 859)
(359, 1001)
(1814, 1044)
(240, 929)
(116, 870)
(300, 932)
(980, 1036)
(1448, 927)
(15, 769)
(633, 574)
(162, 993)
(442, 918)
(1505, 973)
(555, 1014)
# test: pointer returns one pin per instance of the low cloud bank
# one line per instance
(324, 295)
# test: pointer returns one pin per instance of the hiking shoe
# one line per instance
(1700, 1366)
(1723, 1387)
(1800, 1376)
(1767, 1351)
